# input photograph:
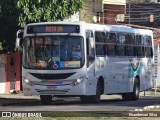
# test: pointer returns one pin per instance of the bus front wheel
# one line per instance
(46, 99)
(94, 98)
(99, 91)
(133, 95)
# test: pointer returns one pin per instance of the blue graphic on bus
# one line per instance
(134, 68)
(55, 65)
(61, 64)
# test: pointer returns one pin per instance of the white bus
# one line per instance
(86, 60)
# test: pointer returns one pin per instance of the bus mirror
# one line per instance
(89, 34)
(19, 38)
(91, 42)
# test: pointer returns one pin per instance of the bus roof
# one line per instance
(130, 30)
(92, 26)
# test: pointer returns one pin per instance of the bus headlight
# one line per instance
(78, 81)
(28, 82)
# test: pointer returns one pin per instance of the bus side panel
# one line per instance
(118, 80)
(146, 79)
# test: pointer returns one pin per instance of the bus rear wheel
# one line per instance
(46, 99)
(136, 90)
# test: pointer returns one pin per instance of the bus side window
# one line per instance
(129, 50)
(111, 50)
(111, 44)
(139, 39)
(147, 41)
(130, 41)
(100, 38)
(140, 53)
(147, 46)
(121, 39)
(111, 38)
(101, 49)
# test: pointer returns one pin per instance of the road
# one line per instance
(108, 103)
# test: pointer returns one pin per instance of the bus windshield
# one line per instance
(53, 52)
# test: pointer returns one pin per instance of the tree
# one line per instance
(16, 13)
(8, 24)
(46, 10)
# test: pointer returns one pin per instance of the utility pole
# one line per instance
(98, 17)
(129, 15)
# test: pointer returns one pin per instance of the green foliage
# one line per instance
(16, 13)
(1, 48)
(8, 24)
(46, 10)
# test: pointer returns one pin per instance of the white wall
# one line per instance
(2, 73)
(73, 18)
(154, 1)
(117, 2)
(90, 9)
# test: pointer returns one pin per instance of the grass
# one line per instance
(151, 92)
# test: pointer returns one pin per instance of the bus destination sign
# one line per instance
(52, 29)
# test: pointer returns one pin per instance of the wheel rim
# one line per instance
(136, 91)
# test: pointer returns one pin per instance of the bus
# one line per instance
(78, 59)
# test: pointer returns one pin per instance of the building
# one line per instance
(10, 66)
(102, 11)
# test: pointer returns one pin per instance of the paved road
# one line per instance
(108, 103)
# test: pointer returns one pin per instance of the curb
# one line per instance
(16, 98)
(20, 104)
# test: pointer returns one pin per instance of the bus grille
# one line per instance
(58, 92)
(52, 76)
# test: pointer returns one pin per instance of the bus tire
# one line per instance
(136, 90)
(46, 99)
(133, 95)
(94, 98)
(99, 91)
